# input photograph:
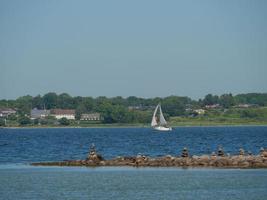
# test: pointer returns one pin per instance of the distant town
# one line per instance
(56, 110)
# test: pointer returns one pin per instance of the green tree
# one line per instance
(13, 117)
(65, 101)
(2, 122)
(24, 104)
(252, 98)
(88, 103)
(118, 101)
(37, 102)
(8, 103)
(64, 121)
(48, 120)
(36, 121)
(248, 114)
(51, 120)
(106, 110)
(102, 100)
(120, 114)
(210, 99)
(174, 106)
(141, 116)
(77, 101)
(50, 100)
(80, 110)
(134, 101)
(44, 121)
(24, 120)
(227, 100)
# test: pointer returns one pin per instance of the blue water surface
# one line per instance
(20, 147)
(31, 145)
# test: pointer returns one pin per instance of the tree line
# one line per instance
(131, 109)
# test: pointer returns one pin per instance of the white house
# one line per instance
(212, 106)
(199, 111)
(61, 113)
(91, 117)
(5, 112)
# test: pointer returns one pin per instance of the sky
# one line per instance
(132, 48)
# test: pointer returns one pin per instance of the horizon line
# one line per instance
(125, 97)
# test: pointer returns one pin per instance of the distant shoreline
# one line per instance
(128, 126)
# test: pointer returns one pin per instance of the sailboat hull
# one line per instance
(162, 128)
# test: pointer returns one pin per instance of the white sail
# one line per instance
(154, 121)
(162, 120)
(162, 125)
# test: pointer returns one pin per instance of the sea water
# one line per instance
(20, 147)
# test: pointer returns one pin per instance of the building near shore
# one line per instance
(246, 105)
(63, 113)
(39, 114)
(199, 111)
(213, 106)
(90, 117)
(5, 112)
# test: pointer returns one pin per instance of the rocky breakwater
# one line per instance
(218, 159)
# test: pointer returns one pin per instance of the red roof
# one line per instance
(62, 112)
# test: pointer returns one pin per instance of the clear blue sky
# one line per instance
(124, 48)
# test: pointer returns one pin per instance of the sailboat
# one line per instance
(162, 124)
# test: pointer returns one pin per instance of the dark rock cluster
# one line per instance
(220, 151)
(93, 157)
(185, 153)
(219, 159)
